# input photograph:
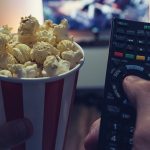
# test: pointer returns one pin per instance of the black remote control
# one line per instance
(129, 54)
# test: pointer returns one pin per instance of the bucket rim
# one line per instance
(47, 79)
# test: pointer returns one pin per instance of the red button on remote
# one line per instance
(118, 54)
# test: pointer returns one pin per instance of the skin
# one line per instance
(138, 92)
(15, 132)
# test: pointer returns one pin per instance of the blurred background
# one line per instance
(90, 25)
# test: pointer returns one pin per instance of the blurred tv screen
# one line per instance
(90, 20)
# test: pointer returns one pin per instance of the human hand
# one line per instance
(91, 140)
(15, 132)
(138, 92)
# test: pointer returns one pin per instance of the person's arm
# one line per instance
(138, 92)
(15, 132)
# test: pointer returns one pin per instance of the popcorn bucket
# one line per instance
(45, 101)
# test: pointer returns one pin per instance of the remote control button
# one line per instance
(130, 40)
(129, 56)
(111, 146)
(110, 96)
(130, 47)
(130, 32)
(114, 87)
(126, 116)
(148, 43)
(141, 42)
(147, 27)
(119, 45)
(115, 62)
(125, 102)
(120, 30)
(135, 68)
(131, 130)
(113, 109)
(118, 54)
(140, 33)
(128, 140)
(121, 23)
(140, 57)
(148, 33)
(113, 125)
(141, 49)
(148, 58)
(113, 138)
(120, 37)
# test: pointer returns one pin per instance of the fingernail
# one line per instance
(131, 78)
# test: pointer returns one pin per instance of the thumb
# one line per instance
(15, 132)
(138, 93)
(91, 140)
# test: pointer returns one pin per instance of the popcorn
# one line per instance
(22, 53)
(47, 25)
(73, 57)
(27, 30)
(37, 50)
(46, 36)
(5, 73)
(63, 66)
(6, 31)
(41, 50)
(61, 30)
(55, 65)
(3, 42)
(6, 59)
(66, 45)
(50, 66)
(28, 70)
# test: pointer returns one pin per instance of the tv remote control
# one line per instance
(129, 54)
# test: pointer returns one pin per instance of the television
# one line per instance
(90, 20)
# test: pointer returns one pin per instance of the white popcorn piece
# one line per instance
(27, 30)
(6, 59)
(50, 66)
(32, 71)
(63, 66)
(5, 73)
(66, 45)
(61, 30)
(41, 50)
(22, 53)
(47, 25)
(6, 31)
(17, 70)
(55, 65)
(28, 70)
(46, 36)
(3, 42)
(73, 57)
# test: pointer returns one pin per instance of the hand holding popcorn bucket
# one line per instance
(45, 101)
(34, 86)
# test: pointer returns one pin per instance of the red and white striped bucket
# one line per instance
(45, 101)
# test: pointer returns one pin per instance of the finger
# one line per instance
(15, 132)
(129, 87)
(91, 140)
(138, 92)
